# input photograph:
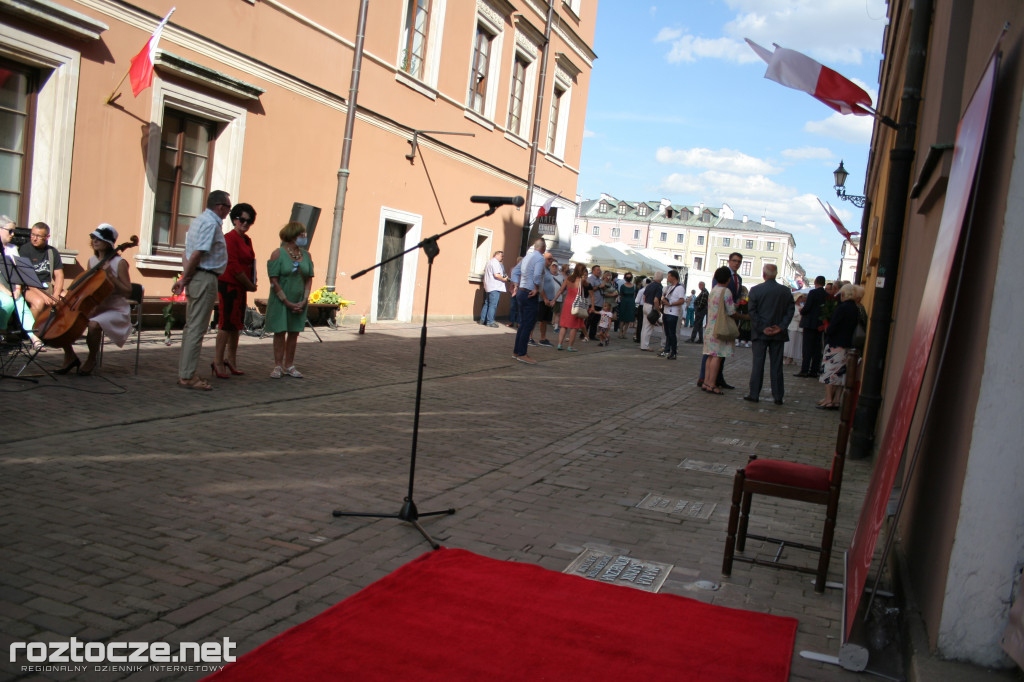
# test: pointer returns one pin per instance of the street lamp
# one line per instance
(840, 176)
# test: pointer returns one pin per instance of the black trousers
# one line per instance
(697, 334)
(592, 320)
(811, 363)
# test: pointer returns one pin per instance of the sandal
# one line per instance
(715, 390)
(572, 350)
(196, 383)
(292, 372)
(276, 374)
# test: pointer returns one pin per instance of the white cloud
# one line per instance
(668, 34)
(588, 133)
(654, 10)
(849, 128)
(808, 154)
(728, 160)
(688, 48)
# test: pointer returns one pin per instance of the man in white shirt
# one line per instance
(494, 285)
(529, 296)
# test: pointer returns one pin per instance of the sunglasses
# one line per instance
(245, 221)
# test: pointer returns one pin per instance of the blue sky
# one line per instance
(679, 108)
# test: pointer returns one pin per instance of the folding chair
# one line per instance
(793, 481)
(135, 318)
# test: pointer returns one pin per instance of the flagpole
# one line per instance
(118, 86)
(881, 118)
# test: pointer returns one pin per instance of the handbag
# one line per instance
(726, 330)
(654, 316)
(579, 305)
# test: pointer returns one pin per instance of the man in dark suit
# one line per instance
(771, 309)
(809, 322)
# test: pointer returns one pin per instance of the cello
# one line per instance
(63, 322)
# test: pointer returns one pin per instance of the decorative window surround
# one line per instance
(56, 17)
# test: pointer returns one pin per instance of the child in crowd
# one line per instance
(604, 325)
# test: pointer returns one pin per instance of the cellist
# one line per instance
(111, 317)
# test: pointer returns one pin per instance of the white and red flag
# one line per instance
(141, 71)
(847, 235)
(798, 71)
(543, 210)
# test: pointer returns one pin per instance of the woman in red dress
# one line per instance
(239, 277)
(567, 321)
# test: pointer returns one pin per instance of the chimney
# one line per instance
(744, 218)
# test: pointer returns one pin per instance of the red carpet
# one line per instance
(453, 615)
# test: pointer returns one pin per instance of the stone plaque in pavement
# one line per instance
(692, 509)
(735, 442)
(710, 467)
(618, 569)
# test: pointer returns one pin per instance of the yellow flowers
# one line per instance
(325, 297)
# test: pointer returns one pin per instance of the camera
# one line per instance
(20, 236)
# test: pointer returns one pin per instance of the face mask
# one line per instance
(301, 241)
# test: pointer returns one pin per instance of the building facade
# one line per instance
(252, 97)
(961, 534)
(698, 237)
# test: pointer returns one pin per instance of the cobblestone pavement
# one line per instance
(139, 511)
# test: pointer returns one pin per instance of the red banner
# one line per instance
(970, 138)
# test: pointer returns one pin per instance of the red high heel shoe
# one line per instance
(213, 366)
(231, 368)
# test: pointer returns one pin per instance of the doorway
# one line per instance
(389, 283)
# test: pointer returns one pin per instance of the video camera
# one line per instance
(20, 236)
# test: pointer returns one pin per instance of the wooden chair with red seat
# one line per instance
(794, 481)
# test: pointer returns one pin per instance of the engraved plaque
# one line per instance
(619, 569)
(692, 509)
(735, 442)
(709, 467)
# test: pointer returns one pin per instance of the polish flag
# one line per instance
(543, 210)
(798, 71)
(141, 71)
(837, 222)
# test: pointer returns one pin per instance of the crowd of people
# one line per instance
(217, 268)
(813, 329)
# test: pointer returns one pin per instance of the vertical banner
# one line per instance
(970, 139)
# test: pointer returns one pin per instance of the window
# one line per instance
(698, 263)
(748, 244)
(745, 268)
(684, 214)
(575, 229)
(478, 77)
(17, 109)
(596, 231)
(770, 246)
(700, 240)
(602, 207)
(481, 252)
(515, 106)
(553, 119)
(636, 235)
(680, 238)
(663, 237)
(183, 180)
(414, 52)
(643, 210)
(726, 241)
(622, 209)
(615, 233)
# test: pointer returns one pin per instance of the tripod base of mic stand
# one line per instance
(407, 513)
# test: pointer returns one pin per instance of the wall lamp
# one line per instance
(840, 176)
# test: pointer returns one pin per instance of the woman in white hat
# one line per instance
(111, 317)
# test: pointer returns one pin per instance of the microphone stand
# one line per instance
(409, 513)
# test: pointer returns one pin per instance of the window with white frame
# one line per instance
(554, 117)
(37, 130)
(419, 47)
(745, 268)
(726, 241)
(479, 77)
(515, 104)
(663, 237)
(700, 240)
(622, 209)
(204, 136)
(615, 233)
(602, 207)
(748, 244)
(769, 246)
(636, 235)
(643, 210)
(575, 229)
(596, 231)
(698, 263)
(680, 238)
(483, 239)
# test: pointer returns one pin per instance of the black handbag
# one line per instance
(654, 316)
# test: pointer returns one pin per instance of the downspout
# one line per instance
(346, 151)
(531, 177)
(901, 161)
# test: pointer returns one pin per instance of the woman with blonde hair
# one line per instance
(838, 340)
(291, 272)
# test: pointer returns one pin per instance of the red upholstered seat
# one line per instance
(787, 473)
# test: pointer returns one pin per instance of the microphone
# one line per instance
(494, 202)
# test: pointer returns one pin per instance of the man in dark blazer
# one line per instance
(771, 309)
(809, 322)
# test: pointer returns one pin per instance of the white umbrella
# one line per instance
(591, 252)
(649, 265)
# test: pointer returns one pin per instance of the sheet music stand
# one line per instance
(19, 272)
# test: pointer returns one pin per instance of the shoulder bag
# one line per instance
(725, 329)
(579, 304)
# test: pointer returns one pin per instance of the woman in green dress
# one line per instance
(291, 272)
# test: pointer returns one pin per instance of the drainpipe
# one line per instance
(901, 161)
(346, 151)
(538, 112)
